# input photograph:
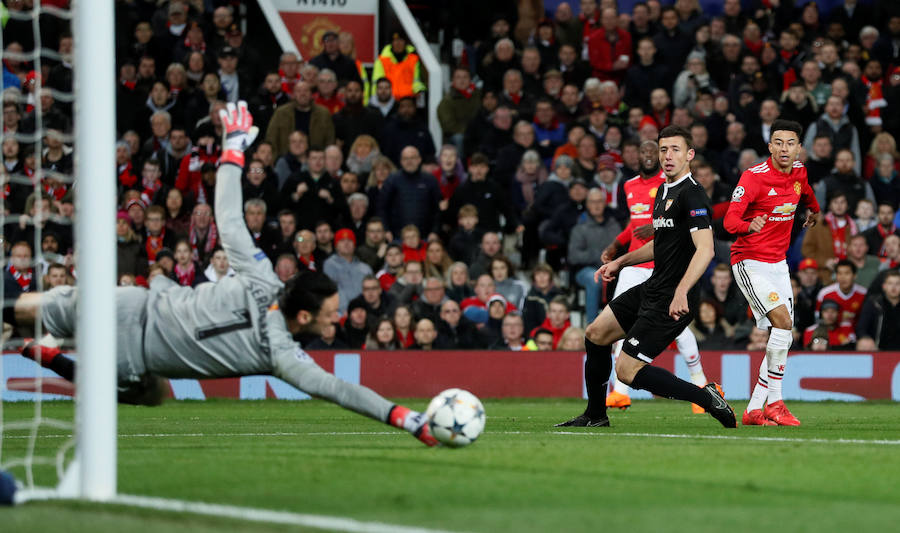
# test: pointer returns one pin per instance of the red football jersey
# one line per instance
(640, 194)
(763, 190)
(851, 304)
(839, 336)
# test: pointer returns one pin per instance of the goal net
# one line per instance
(58, 197)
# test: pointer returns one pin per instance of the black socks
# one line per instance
(597, 367)
(663, 383)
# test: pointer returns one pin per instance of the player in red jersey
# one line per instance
(848, 294)
(640, 193)
(761, 213)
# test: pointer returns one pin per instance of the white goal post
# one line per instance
(95, 138)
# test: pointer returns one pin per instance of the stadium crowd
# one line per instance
(491, 241)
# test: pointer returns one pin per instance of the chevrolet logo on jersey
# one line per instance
(785, 210)
(663, 223)
(637, 209)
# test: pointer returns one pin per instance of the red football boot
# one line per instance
(777, 412)
(756, 418)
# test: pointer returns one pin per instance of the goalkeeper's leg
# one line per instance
(304, 374)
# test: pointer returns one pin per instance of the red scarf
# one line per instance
(840, 236)
(22, 278)
(126, 176)
(516, 98)
(212, 236)
(467, 92)
(185, 276)
(154, 244)
(150, 188)
(5, 192)
(881, 231)
(199, 47)
(130, 85)
(310, 261)
(56, 192)
(287, 84)
(662, 120)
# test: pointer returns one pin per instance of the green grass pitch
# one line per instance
(658, 468)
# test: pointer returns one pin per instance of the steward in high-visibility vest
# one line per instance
(399, 63)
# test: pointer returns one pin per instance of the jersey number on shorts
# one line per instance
(241, 321)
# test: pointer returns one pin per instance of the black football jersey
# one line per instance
(680, 209)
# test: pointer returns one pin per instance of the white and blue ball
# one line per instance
(455, 417)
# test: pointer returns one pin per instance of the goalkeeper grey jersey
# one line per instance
(222, 329)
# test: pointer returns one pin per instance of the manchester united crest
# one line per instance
(797, 187)
(312, 32)
(773, 296)
(653, 192)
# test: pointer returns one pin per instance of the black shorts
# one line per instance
(645, 319)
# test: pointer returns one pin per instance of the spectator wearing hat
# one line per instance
(355, 325)
(345, 268)
(810, 284)
(332, 59)
(552, 84)
(487, 196)
(459, 106)
(165, 260)
(130, 256)
(302, 114)
(594, 231)
(829, 333)
(235, 85)
(544, 40)
(399, 63)
(250, 65)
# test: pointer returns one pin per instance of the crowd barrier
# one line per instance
(810, 376)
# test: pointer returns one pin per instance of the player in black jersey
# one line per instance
(649, 316)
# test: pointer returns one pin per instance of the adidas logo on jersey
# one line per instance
(772, 192)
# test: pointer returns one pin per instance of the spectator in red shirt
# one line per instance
(848, 294)
(609, 48)
(327, 95)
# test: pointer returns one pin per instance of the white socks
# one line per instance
(771, 371)
(687, 347)
(776, 357)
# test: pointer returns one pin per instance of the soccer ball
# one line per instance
(455, 418)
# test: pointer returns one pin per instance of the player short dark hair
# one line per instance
(305, 292)
(846, 263)
(786, 125)
(677, 131)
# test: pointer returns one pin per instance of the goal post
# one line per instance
(95, 138)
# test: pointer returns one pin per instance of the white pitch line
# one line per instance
(251, 514)
(808, 440)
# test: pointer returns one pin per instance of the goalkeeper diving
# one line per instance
(242, 325)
